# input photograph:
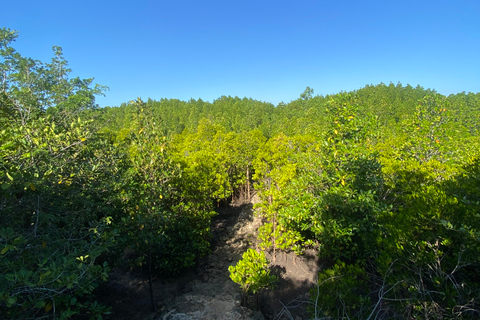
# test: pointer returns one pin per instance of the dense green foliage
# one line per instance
(252, 273)
(384, 182)
(53, 194)
(75, 194)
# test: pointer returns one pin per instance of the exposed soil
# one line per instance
(207, 292)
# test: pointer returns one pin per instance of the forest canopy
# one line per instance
(383, 181)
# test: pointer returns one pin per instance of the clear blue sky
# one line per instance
(266, 50)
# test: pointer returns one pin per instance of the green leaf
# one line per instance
(4, 250)
(48, 307)
(5, 186)
(11, 301)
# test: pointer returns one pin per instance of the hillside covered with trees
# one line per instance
(383, 181)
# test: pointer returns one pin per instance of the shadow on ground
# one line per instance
(206, 291)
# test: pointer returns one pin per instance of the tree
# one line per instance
(275, 168)
(307, 94)
(54, 217)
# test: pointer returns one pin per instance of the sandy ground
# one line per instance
(207, 292)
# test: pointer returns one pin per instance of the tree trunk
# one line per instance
(150, 284)
(248, 184)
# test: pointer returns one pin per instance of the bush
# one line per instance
(252, 273)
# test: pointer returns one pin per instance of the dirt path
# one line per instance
(213, 294)
(207, 292)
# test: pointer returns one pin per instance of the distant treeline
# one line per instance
(306, 115)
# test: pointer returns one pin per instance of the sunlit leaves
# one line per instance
(49, 223)
(252, 273)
